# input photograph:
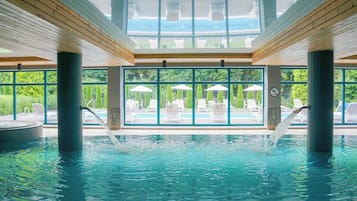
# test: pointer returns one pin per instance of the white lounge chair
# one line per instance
(38, 112)
(297, 103)
(172, 112)
(211, 103)
(337, 115)
(180, 103)
(130, 109)
(218, 112)
(252, 105)
(152, 105)
(351, 113)
(202, 106)
(225, 101)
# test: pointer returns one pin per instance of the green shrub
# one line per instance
(52, 102)
(240, 98)
(6, 105)
(26, 101)
(98, 97)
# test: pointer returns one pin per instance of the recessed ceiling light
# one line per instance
(5, 51)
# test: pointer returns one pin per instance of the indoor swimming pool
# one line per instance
(175, 167)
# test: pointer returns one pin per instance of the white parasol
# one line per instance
(181, 87)
(217, 87)
(254, 88)
(141, 88)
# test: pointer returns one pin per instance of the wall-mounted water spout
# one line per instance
(283, 126)
(109, 133)
(298, 110)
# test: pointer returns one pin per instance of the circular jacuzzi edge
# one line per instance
(19, 130)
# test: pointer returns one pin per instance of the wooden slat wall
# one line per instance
(48, 26)
(331, 26)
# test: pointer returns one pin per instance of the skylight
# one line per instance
(5, 51)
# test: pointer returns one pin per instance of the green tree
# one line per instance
(220, 96)
(106, 97)
(127, 92)
(179, 94)
(98, 97)
(351, 89)
(168, 94)
(299, 91)
(209, 95)
(240, 100)
(138, 96)
(250, 95)
(258, 97)
(94, 75)
(7, 90)
(188, 103)
(162, 105)
(30, 77)
(199, 91)
(231, 98)
(89, 95)
(147, 98)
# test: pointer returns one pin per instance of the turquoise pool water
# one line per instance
(190, 167)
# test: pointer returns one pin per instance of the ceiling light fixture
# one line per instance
(222, 63)
(19, 67)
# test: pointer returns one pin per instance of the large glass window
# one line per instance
(6, 96)
(30, 95)
(95, 94)
(294, 93)
(338, 96)
(140, 97)
(243, 23)
(246, 96)
(283, 5)
(176, 24)
(350, 96)
(193, 96)
(210, 24)
(143, 23)
(176, 102)
(193, 24)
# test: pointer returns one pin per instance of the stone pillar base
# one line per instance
(114, 118)
(274, 117)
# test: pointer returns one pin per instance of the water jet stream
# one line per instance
(283, 126)
(109, 132)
